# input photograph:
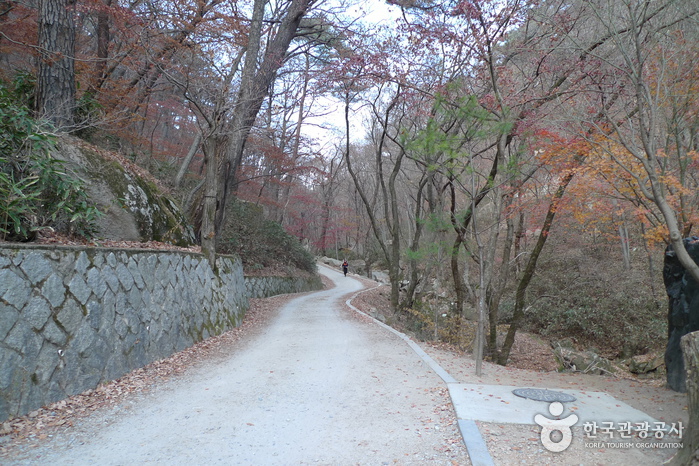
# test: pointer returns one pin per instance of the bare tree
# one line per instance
(386, 178)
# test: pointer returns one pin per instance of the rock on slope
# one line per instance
(134, 207)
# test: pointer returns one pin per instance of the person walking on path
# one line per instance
(345, 265)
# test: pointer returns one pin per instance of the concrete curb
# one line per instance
(477, 449)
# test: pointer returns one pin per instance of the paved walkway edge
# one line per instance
(477, 449)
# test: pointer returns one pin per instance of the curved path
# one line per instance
(318, 385)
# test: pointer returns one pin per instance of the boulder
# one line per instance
(134, 207)
(380, 276)
(683, 310)
(331, 262)
(357, 266)
(587, 362)
(645, 363)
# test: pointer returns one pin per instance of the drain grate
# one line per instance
(542, 394)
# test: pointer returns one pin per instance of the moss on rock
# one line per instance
(135, 208)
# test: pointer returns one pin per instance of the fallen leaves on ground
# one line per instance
(49, 237)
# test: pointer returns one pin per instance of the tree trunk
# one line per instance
(520, 236)
(625, 248)
(689, 454)
(676, 239)
(458, 280)
(518, 314)
(56, 81)
(483, 280)
(498, 287)
(461, 227)
(454, 262)
(103, 38)
(254, 86)
(651, 267)
(415, 246)
(208, 222)
(390, 208)
(188, 159)
(328, 197)
(624, 241)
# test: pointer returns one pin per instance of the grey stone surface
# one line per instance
(261, 287)
(69, 316)
(37, 312)
(82, 263)
(121, 327)
(79, 289)
(108, 311)
(9, 360)
(95, 314)
(54, 291)
(36, 267)
(46, 363)
(18, 337)
(135, 273)
(110, 278)
(53, 334)
(96, 282)
(13, 288)
(125, 277)
(8, 318)
(83, 339)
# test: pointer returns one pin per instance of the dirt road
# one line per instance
(317, 386)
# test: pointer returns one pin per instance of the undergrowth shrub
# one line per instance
(622, 325)
(36, 190)
(429, 322)
(260, 242)
(588, 297)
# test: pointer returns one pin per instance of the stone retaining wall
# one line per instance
(262, 287)
(74, 317)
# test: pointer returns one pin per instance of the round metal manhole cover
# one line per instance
(541, 394)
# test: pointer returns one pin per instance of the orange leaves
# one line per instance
(557, 151)
(613, 187)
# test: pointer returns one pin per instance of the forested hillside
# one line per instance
(520, 164)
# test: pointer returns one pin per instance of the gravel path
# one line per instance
(306, 380)
(317, 385)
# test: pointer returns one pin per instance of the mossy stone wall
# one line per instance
(72, 318)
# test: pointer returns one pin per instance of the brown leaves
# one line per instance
(51, 237)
